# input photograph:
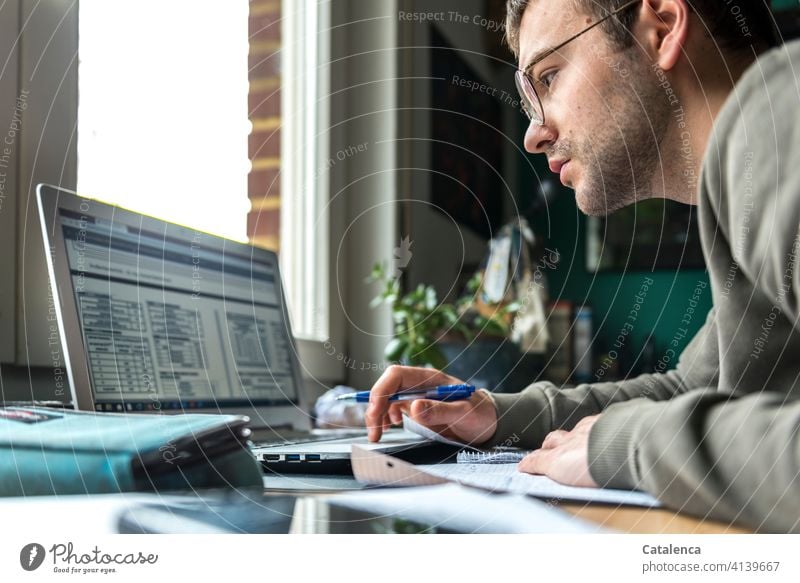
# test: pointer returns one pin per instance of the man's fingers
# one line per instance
(536, 462)
(396, 413)
(396, 378)
(431, 413)
(554, 439)
(586, 423)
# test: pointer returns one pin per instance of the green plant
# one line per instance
(420, 321)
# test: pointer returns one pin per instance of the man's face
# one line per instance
(604, 115)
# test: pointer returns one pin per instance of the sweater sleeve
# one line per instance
(750, 181)
(710, 455)
(706, 452)
(525, 418)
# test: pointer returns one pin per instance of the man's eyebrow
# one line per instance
(538, 57)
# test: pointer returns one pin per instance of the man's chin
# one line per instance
(596, 205)
(590, 205)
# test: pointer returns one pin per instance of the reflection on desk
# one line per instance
(310, 483)
(626, 519)
(318, 510)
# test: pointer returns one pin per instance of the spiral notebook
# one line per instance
(470, 454)
(378, 469)
(497, 455)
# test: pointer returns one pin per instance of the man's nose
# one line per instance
(539, 137)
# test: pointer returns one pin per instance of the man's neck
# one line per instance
(692, 124)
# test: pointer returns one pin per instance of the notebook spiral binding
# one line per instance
(490, 457)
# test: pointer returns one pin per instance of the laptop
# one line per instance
(156, 317)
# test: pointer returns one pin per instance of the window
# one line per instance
(204, 112)
(162, 117)
(305, 166)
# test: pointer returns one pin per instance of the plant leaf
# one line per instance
(430, 298)
(399, 316)
(395, 349)
(433, 356)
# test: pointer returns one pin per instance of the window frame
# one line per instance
(306, 220)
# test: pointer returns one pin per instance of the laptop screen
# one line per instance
(173, 318)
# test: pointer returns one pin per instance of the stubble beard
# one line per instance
(620, 161)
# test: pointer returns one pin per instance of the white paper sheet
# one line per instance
(75, 515)
(462, 509)
(507, 478)
(380, 469)
(410, 425)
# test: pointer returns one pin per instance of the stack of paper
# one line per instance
(376, 468)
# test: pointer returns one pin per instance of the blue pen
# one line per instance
(440, 393)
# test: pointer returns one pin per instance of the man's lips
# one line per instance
(559, 167)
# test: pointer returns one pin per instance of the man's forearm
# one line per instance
(736, 460)
(525, 418)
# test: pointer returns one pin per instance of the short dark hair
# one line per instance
(736, 25)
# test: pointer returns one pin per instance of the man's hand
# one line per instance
(470, 421)
(564, 456)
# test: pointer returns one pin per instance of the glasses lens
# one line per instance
(530, 101)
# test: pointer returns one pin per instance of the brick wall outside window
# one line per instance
(264, 105)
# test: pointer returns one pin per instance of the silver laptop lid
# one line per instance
(154, 316)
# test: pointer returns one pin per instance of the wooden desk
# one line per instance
(648, 520)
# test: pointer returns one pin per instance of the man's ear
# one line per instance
(663, 29)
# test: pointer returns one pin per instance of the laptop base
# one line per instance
(426, 453)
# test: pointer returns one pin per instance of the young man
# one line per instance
(635, 108)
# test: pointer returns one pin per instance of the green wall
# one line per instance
(612, 296)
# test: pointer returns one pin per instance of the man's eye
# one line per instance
(547, 79)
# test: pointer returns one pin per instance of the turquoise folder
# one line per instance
(51, 451)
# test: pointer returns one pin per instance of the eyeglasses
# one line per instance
(531, 104)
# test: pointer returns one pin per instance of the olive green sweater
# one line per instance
(718, 435)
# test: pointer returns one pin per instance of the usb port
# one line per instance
(312, 457)
(292, 457)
